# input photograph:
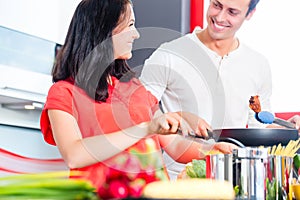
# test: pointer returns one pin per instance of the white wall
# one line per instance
(273, 30)
(42, 18)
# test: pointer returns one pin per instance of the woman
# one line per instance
(101, 118)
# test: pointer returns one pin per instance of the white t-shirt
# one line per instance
(185, 75)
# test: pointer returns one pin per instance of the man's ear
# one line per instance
(250, 14)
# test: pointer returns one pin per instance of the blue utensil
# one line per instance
(266, 117)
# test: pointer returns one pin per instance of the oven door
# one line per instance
(23, 150)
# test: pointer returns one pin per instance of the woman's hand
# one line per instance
(222, 147)
(169, 123)
(198, 125)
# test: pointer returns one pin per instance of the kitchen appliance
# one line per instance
(25, 76)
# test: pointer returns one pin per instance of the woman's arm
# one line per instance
(183, 150)
(79, 152)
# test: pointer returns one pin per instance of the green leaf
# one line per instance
(297, 161)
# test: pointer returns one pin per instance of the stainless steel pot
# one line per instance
(250, 173)
(219, 166)
(279, 171)
(253, 172)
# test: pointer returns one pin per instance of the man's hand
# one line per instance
(296, 120)
(198, 125)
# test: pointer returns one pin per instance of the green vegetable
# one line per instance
(272, 190)
(236, 190)
(196, 169)
(52, 185)
(297, 161)
(190, 170)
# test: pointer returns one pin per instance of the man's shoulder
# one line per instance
(178, 41)
(251, 51)
(181, 46)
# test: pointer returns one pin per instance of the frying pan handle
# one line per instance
(231, 140)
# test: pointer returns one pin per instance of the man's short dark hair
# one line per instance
(252, 6)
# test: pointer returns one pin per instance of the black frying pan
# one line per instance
(256, 136)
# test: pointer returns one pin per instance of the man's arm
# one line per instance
(155, 74)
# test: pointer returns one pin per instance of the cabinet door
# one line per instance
(158, 21)
(46, 19)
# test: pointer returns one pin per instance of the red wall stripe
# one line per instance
(10, 171)
(286, 115)
(13, 155)
(196, 18)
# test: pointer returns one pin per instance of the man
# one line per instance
(210, 72)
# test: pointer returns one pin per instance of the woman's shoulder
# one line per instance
(63, 85)
(61, 89)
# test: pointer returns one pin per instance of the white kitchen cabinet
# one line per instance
(48, 19)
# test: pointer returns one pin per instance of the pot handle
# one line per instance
(231, 140)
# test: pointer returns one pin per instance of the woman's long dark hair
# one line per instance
(87, 57)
